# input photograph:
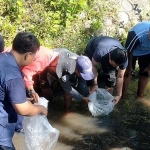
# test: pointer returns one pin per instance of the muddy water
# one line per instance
(126, 128)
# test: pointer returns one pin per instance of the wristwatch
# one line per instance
(31, 91)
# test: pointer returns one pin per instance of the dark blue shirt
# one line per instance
(100, 47)
(12, 88)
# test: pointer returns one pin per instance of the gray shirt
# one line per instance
(65, 69)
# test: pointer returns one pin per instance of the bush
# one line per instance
(60, 23)
(57, 23)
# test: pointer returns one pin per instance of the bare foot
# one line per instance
(139, 99)
(144, 101)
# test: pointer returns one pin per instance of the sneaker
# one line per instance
(20, 131)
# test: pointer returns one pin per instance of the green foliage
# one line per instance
(57, 23)
(60, 23)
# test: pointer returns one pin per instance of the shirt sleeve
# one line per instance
(124, 65)
(16, 91)
(96, 55)
(132, 41)
(66, 85)
(99, 53)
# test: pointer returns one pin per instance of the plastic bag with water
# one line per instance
(101, 102)
(39, 134)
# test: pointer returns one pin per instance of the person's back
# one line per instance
(42, 59)
(102, 45)
(139, 41)
(141, 27)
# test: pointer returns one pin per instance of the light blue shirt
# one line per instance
(141, 30)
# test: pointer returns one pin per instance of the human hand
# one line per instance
(43, 110)
(116, 99)
(33, 95)
(86, 100)
(93, 88)
(29, 99)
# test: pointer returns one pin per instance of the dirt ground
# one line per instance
(127, 127)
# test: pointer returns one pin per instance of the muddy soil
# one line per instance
(127, 127)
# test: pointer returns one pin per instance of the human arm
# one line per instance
(94, 67)
(119, 84)
(29, 71)
(86, 100)
(66, 85)
(16, 94)
(28, 109)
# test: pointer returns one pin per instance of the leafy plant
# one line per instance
(59, 23)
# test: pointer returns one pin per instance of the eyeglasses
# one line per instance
(34, 56)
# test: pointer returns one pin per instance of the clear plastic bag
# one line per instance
(101, 103)
(39, 134)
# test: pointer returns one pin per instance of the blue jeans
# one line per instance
(19, 122)
(6, 135)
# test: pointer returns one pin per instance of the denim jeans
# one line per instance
(19, 122)
(6, 135)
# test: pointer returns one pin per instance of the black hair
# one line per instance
(25, 42)
(119, 56)
(2, 43)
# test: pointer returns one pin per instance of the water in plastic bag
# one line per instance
(39, 134)
(101, 102)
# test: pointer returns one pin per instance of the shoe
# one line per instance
(21, 131)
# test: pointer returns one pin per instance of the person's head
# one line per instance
(25, 45)
(1, 44)
(117, 57)
(84, 67)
